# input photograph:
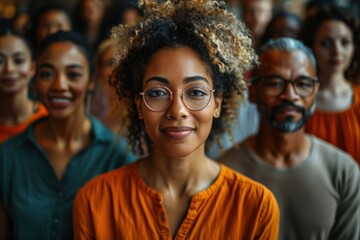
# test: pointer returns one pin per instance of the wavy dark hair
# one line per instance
(327, 13)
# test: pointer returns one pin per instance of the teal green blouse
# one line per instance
(38, 204)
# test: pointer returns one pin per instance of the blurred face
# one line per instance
(256, 15)
(62, 80)
(104, 66)
(285, 27)
(52, 21)
(16, 67)
(177, 130)
(130, 16)
(287, 111)
(21, 22)
(92, 12)
(333, 46)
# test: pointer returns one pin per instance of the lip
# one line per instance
(289, 111)
(9, 81)
(59, 101)
(178, 132)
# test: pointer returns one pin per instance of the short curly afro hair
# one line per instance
(206, 26)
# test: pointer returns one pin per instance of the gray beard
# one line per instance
(288, 125)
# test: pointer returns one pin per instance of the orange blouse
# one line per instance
(119, 205)
(341, 129)
(9, 131)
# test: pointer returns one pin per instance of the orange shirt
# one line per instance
(119, 205)
(9, 131)
(341, 129)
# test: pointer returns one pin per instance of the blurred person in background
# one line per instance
(256, 15)
(89, 15)
(60, 152)
(47, 19)
(316, 184)
(282, 24)
(16, 69)
(331, 35)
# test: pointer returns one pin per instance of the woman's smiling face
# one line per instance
(177, 130)
(16, 66)
(63, 79)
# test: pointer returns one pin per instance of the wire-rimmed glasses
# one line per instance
(195, 97)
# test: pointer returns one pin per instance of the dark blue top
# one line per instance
(38, 204)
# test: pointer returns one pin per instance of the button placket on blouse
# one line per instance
(189, 218)
(162, 219)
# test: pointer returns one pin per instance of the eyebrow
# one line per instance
(185, 80)
(48, 65)
(14, 54)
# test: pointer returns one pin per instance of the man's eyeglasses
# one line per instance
(275, 84)
(195, 97)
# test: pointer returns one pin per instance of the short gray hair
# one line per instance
(287, 44)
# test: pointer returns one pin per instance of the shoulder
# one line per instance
(330, 153)
(13, 143)
(245, 185)
(236, 156)
(109, 181)
(339, 164)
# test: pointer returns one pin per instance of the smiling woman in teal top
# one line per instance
(42, 169)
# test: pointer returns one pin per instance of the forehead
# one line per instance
(11, 42)
(63, 52)
(176, 64)
(257, 4)
(54, 15)
(334, 28)
(289, 63)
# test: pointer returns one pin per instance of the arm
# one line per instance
(268, 226)
(4, 224)
(347, 221)
(82, 222)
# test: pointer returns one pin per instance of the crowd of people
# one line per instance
(192, 119)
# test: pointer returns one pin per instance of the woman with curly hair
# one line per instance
(178, 68)
(331, 33)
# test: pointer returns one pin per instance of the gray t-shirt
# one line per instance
(318, 199)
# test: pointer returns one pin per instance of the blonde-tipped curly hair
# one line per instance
(206, 26)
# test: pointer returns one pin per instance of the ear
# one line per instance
(217, 110)
(138, 102)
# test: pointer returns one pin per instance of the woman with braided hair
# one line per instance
(178, 68)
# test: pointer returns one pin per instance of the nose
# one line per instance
(337, 48)
(59, 83)
(9, 66)
(53, 28)
(177, 109)
(289, 92)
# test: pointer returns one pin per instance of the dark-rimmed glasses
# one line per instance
(195, 97)
(275, 84)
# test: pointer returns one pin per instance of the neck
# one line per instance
(183, 176)
(15, 108)
(282, 150)
(67, 131)
(333, 81)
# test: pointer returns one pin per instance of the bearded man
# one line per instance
(316, 185)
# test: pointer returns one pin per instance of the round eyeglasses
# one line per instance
(194, 97)
(274, 85)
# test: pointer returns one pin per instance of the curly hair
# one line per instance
(206, 26)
